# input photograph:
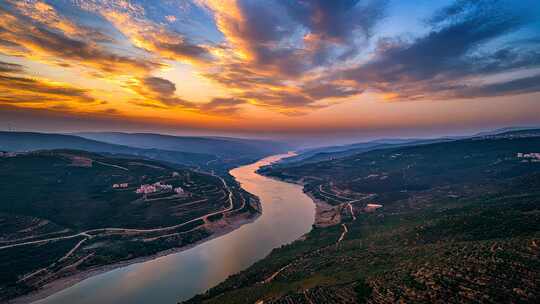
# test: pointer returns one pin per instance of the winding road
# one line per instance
(91, 233)
(288, 214)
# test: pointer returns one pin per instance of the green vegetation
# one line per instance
(18, 262)
(29, 141)
(221, 147)
(66, 211)
(460, 222)
(58, 185)
(217, 154)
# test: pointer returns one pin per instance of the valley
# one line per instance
(445, 222)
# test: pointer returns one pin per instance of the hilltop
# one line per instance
(314, 155)
(222, 147)
(207, 153)
(32, 141)
(334, 152)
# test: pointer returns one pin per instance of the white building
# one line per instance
(529, 156)
(179, 190)
(158, 186)
(145, 189)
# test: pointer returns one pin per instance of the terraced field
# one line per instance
(63, 212)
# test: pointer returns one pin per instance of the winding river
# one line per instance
(287, 214)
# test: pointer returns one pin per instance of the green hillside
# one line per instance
(222, 147)
(459, 223)
(66, 211)
(31, 141)
(75, 189)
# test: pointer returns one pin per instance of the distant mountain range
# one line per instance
(334, 152)
(222, 147)
(214, 153)
(506, 130)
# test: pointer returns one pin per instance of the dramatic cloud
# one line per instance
(233, 58)
(157, 40)
(159, 93)
(6, 67)
(52, 40)
(156, 92)
(222, 105)
(335, 28)
(434, 65)
(36, 31)
(15, 89)
(320, 90)
(293, 37)
(289, 41)
(46, 15)
(154, 38)
(160, 86)
(511, 87)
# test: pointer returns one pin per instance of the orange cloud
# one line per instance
(42, 92)
(154, 38)
(261, 65)
(35, 31)
(45, 14)
(160, 93)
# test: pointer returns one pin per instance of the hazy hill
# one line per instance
(397, 171)
(333, 152)
(220, 146)
(505, 130)
(517, 133)
(30, 141)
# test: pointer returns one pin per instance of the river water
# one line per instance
(287, 214)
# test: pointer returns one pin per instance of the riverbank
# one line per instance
(217, 229)
(326, 215)
(288, 215)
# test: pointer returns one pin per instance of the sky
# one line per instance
(257, 68)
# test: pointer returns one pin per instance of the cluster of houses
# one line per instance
(153, 188)
(9, 154)
(532, 157)
(158, 187)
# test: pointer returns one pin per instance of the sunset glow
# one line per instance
(269, 67)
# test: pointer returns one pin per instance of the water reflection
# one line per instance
(287, 214)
